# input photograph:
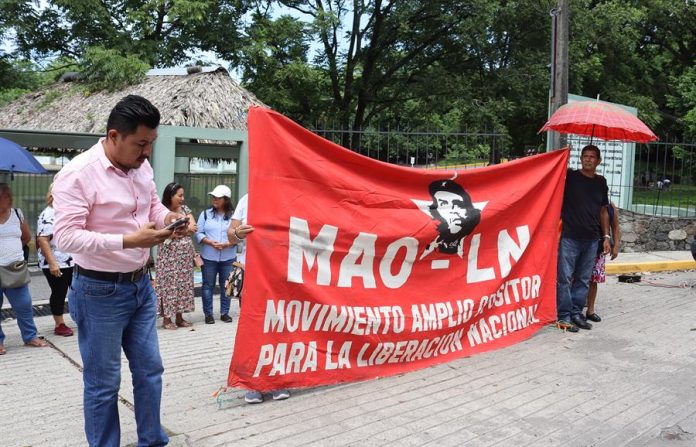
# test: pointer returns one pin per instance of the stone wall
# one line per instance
(640, 232)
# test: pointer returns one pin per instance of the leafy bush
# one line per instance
(105, 69)
(10, 95)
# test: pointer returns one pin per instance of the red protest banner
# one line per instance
(359, 269)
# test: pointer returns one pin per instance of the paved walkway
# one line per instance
(628, 381)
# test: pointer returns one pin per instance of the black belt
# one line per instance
(133, 276)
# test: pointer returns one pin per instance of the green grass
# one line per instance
(48, 99)
(681, 196)
(460, 163)
(465, 161)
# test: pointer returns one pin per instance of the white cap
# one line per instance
(221, 191)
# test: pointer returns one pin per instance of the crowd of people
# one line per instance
(103, 216)
(174, 267)
(95, 249)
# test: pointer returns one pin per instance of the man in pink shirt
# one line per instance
(107, 211)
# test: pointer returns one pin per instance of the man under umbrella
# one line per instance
(585, 222)
(584, 213)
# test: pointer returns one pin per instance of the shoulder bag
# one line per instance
(14, 275)
(235, 281)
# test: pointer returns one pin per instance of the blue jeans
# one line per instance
(575, 261)
(20, 299)
(111, 316)
(210, 270)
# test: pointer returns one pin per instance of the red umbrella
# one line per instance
(599, 119)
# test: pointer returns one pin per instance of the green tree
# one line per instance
(684, 99)
(102, 69)
(476, 65)
(275, 67)
(634, 53)
(482, 63)
(369, 57)
(157, 31)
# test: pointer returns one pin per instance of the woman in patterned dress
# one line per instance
(599, 269)
(174, 281)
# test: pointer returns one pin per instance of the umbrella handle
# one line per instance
(592, 134)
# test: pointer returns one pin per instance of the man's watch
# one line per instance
(606, 236)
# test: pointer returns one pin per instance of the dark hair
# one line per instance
(5, 189)
(227, 206)
(449, 186)
(131, 112)
(170, 191)
(593, 148)
(473, 213)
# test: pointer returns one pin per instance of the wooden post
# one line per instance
(559, 75)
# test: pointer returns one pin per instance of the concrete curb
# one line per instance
(654, 266)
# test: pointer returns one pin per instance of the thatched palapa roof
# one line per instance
(208, 99)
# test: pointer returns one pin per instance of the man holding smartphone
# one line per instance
(107, 214)
(177, 224)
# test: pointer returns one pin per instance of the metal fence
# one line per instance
(664, 177)
(663, 183)
(424, 149)
(29, 194)
(197, 186)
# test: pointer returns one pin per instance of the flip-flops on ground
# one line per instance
(36, 343)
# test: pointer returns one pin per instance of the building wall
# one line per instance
(640, 232)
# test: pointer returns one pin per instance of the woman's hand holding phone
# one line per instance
(178, 223)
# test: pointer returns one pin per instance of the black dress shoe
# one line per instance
(226, 318)
(580, 322)
(209, 319)
(593, 317)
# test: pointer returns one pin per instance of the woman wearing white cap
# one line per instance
(216, 250)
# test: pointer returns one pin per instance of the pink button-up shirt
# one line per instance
(96, 204)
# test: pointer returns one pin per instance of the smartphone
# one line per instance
(177, 224)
